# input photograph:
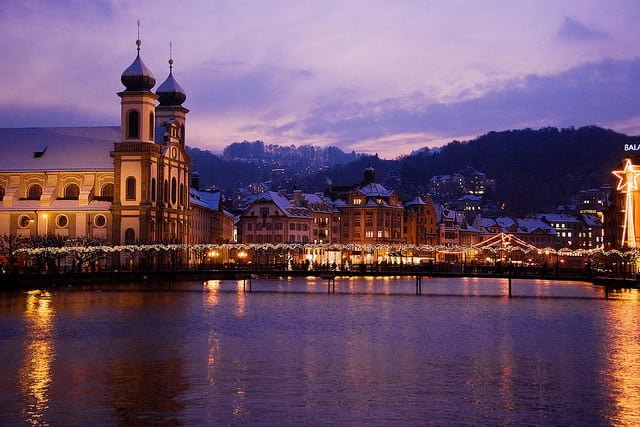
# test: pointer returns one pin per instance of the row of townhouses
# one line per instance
(368, 213)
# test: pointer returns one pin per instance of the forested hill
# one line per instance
(534, 169)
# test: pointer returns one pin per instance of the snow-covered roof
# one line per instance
(58, 149)
(206, 199)
(375, 190)
(529, 225)
(313, 198)
(560, 218)
(319, 203)
(592, 220)
(284, 204)
(505, 221)
(470, 198)
(416, 202)
(487, 222)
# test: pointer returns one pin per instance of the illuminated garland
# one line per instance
(205, 248)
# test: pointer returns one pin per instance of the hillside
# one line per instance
(534, 169)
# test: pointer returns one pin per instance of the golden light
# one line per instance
(628, 184)
(242, 254)
(213, 254)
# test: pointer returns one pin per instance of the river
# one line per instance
(193, 353)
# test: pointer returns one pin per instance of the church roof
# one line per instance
(58, 148)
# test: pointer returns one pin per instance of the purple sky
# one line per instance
(371, 76)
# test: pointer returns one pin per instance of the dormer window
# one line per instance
(34, 192)
(357, 201)
(39, 151)
(72, 192)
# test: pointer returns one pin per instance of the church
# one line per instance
(123, 184)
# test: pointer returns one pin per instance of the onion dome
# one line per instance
(137, 77)
(170, 93)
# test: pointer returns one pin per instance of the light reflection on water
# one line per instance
(35, 373)
(291, 354)
(624, 361)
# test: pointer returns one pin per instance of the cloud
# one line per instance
(232, 87)
(598, 93)
(572, 30)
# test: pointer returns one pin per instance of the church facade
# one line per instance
(123, 184)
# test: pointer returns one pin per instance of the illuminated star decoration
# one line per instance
(628, 184)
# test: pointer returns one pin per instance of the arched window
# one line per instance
(152, 125)
(174, 188)
(1, 192)
(153, 189)
(72, 192)
(34, 192)
(182, 194)
(129, 236)
(134, 124)
(107, 191)
(166, 191)
(182, 134)
(131, 188)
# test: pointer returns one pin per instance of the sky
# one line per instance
(384, 77)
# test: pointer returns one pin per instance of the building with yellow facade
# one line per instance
(124, 184)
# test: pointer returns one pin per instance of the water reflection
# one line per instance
(624, 362)
(35, 373)
(212, 288)
(145, 392)
(623, 294)
(240, 301)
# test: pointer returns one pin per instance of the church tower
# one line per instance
(174, 215)
(136, 157)
(151, 167)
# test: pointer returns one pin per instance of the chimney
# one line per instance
(297, 197)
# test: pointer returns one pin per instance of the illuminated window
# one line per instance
(357, 201)
(369, 234)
